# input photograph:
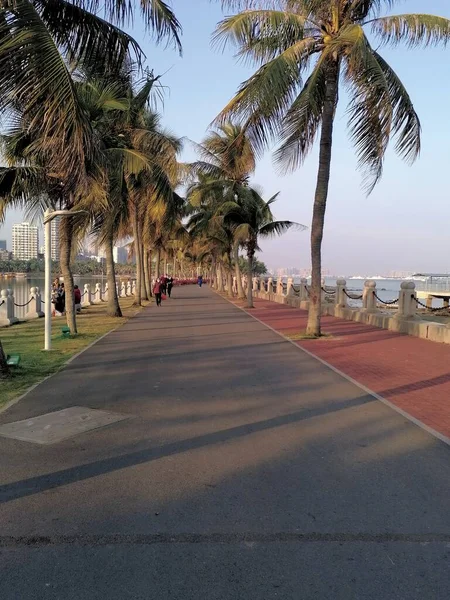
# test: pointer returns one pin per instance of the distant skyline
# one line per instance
(402, 226)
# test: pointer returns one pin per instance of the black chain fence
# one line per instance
(428, 307)
(26, 303)
(352, 297)
(329, 292)
(390, 303)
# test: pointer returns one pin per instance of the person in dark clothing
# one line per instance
(60, 300)
(157, 290)
(163, 284)
(200, 280)
(169, 286)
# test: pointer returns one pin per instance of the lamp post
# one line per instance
(49, 215)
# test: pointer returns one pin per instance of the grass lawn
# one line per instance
(27, 339)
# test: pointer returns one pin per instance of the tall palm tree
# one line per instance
(43, 41)
(227, 162)
(251, 218)
(305, 50)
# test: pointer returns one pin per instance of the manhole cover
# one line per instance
(60, 425)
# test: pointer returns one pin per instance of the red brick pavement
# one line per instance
(411, 373)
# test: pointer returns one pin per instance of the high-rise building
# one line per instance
(2, 244)
(120, 255)
(25, 241)
(55, 237)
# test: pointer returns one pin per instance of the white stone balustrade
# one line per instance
(270, 285)
(129, 288)
(407, 300)
(255, 284)
(369, 300)
(289, 290)
(262, 285)
(105, 293)
(279, 286)
(133, 287)
(87, 297)
(34, 309)
(303, 290)
(341, 298)
(97, 299)
(7, 308)
(123, 290)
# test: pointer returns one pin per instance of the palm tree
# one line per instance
(251, 218)
(228, 160)
(42, 42)
(304, 50)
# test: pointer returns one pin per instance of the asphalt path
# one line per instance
(246, 470)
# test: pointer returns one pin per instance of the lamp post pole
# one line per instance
(49, 215)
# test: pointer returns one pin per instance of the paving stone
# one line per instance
(57, 426)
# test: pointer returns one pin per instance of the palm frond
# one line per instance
(412, 29)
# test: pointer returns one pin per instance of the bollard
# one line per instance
(270, 285)
(105, 293)
(303, 294)
(407, 305)
(255, 284)
(289, 290)
(262, 285)
(7, 308)
(279, 286)
(34, 310)
(87, 296)
(129, 288)
(133, 287)
(123, 290)
(369, 300)
(98, 294)
(117, 289)
(341, 298)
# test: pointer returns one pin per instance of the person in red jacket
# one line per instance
(157, 290)
(77, 298)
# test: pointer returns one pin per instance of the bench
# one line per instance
(13, 360)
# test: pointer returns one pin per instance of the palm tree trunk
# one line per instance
(158, 260)
(229, 277)
(113, 307)
(237, 270)
(219, 278)
(4, 369)
(150, 273)
(65, 242)
(137, 253)
(146, 274)
(320, 199)
(251, 249)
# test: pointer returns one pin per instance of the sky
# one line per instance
(402, 226)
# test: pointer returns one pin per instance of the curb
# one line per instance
(366, 390)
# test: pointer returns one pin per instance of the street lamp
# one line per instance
(49, 215)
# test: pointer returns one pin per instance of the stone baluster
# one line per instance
(87, 297)
(129, 288)
(105, 293)
(133, 287)
(304, 296)
(123, 290)
(407, 305)
(279, 286)
(7, 316)
(34, 310)
(289, 290)
(98, 294)
(270, 285)
(369, 300)
(255, 284)
(117, 288)
(341, 298)
(262, 285)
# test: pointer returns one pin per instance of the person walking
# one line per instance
(77, 298)
(169, 286)
(200, 280)
(157, 290)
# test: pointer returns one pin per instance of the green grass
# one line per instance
(27, 339)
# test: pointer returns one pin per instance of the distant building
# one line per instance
(54, 236)
(25, 241)
(120, 255)
(5, 255)
(2, 244)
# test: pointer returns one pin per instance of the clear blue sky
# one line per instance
(403, 225)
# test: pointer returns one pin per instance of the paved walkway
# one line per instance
(413, 374)
(247, 469)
